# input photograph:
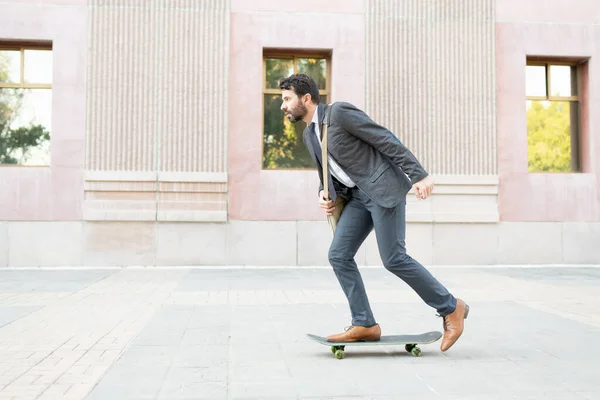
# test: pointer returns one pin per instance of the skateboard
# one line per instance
(410, 342)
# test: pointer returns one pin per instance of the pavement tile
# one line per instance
(240, 334)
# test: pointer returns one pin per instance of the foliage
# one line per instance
(283, 146)
(549, 137)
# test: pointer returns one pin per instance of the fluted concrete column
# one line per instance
(156, 121)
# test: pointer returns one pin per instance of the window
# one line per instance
(25, 104)
(552, 105)
(282, 141)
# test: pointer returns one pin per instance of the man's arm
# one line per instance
(357, 123)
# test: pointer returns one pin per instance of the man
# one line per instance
(373, 171)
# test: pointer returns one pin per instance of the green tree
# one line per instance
(15, 143)
(549, 137)
(283, 146)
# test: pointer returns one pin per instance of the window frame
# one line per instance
(290, 55)
(295, 56)
(576, 161)
(548, 96)
(21, 47)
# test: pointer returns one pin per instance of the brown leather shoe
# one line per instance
(454, 324)
(358, 334)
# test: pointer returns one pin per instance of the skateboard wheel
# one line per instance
(409, 347)
(416, 352)
(339, 354)
(334, 348)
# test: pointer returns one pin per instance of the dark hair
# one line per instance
(301, 84)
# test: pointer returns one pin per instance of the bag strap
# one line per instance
(324, 157)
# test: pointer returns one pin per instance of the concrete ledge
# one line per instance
(212, 177)
(285, 267)
(44, 243)
(265, 243)
(192, 216)
(191, 244)
(471, 180)
(120, 176)
(119, 243)
(91, 214)
(3, 244)
(581, 242)
(457, 199)
(152, 196)
(286, 243)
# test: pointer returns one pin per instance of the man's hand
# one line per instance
(423, 188)
(327, 206)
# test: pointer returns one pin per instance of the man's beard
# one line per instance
(297, 113)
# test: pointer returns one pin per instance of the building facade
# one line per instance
(149, 132)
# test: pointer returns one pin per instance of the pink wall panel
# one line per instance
(54, 192)
(256, 194)
(545, 196)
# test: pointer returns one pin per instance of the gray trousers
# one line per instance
(360, 216)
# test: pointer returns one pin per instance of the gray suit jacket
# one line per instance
(370, 154)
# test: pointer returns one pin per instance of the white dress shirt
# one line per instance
(334, 167)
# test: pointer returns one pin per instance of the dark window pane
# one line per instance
(25, 126)
(278, 68)
(550, 126)
(536, 80)
(282, 141)
(575, 161)
(316, 68)
(10, 66)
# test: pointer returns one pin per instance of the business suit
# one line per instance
(383, 170)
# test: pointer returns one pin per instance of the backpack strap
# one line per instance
(324, 157)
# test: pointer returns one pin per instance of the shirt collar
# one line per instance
(315, 117)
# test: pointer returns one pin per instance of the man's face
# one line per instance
(293, 106)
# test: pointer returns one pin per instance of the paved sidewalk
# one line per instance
(240, 334)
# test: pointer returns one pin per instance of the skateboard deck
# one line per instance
(410, 342)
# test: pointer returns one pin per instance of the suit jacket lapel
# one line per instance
(307, 142)
(307, 131)
(307, 136)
